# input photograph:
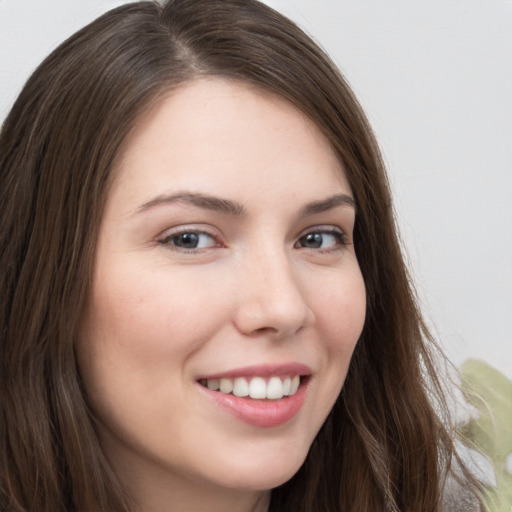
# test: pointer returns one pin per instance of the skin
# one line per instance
(255, 291)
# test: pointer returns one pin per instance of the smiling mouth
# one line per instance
(260, 388)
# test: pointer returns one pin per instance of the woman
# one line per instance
(204, 303)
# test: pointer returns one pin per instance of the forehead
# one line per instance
(216, 132)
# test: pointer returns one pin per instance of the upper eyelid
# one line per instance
(177, 230)
(327, 231)
(326, 228)
(167, 239)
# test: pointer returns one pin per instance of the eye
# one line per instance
(189, 240)
(322, 239)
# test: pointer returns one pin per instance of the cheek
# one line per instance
(340, 310)
(140, 328)
(340, 315)
(149, 312)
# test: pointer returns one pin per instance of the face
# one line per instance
(224, 267)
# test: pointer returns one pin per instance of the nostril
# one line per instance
(265, 329)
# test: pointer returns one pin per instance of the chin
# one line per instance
(265, 473)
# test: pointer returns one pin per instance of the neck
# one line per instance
(166, 493)
(185, 499)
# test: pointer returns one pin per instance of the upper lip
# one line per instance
(262, 370)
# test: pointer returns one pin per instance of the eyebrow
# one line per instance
(236, 209)
(203, 201)
(327, 204)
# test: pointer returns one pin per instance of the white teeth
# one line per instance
(240, 387)
(258, 388)
(226, 385)
(287, 382)
(274, 388)
(213, 384)
(295, 385)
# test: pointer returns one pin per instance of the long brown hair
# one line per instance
(384, 446)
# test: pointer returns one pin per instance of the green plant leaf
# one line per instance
(490, 392)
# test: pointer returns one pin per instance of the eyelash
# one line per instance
(167, 241)
(339, 236)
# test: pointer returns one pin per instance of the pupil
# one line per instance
(187, 240)
(313, 240)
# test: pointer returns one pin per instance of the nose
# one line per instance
(270, 299)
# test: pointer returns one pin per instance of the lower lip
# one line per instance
(261, 413)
